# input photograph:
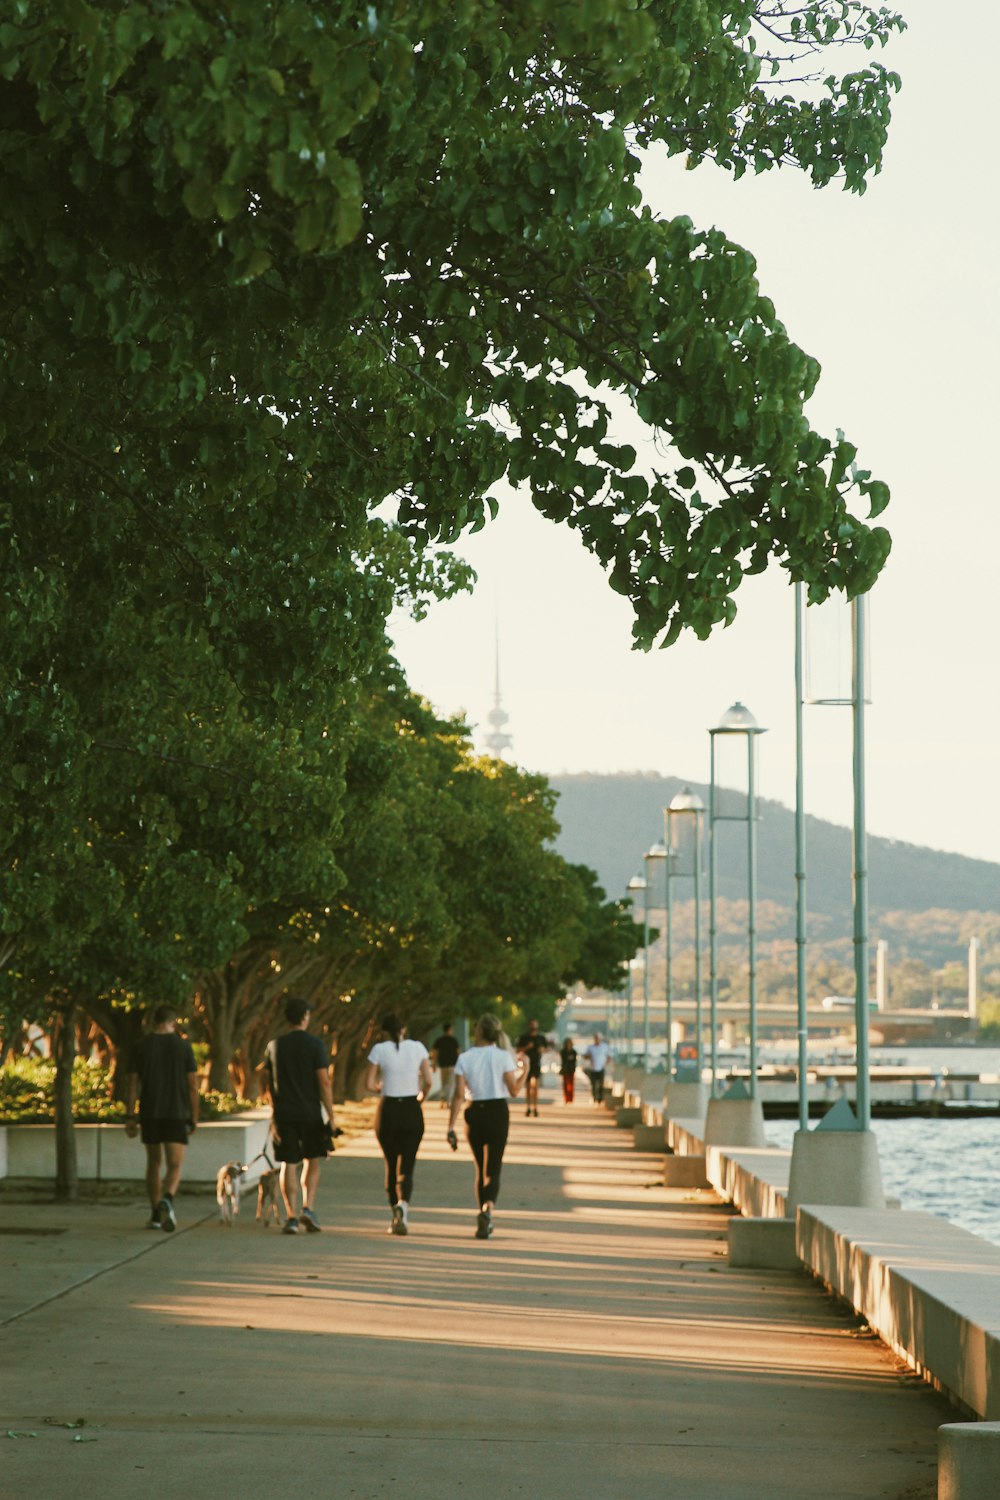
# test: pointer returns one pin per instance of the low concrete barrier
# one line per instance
(928, 1288)
(105, 1153)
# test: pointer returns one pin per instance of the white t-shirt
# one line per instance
(597, 1052)
(483, 1069)
(400, 1067)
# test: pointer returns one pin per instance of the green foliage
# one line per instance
(26, 1095)
(272, 273)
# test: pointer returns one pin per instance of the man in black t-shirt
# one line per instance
(164, 1074)
(533, 1045)
(297, 1081)
(445, 1055)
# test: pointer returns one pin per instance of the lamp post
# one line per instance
(843, 1147)
(655, 855)
(635, 885)
(735, 722)
(683, 821)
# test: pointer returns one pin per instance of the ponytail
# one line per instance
(392, 1028)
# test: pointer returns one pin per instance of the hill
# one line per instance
(609, 821)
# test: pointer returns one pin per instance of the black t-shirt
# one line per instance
(446, 1048)
(164, 1061)
(567, 1062)
(533, 1045)
(292, 1062)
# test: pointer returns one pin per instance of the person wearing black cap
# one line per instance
(297, 1083)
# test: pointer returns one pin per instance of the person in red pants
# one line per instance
(567, 1068)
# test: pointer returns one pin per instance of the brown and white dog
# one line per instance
(227, 1190)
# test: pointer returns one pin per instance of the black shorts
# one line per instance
(163, 1132)
(295, 1140)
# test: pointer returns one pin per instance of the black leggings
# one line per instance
(400, 1131)
(488, 1122)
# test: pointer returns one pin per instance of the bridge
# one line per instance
(773, 1021)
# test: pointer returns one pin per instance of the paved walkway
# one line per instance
(598, 1347)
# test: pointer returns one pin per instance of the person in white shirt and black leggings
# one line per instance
(399, 1069)
(490, 1075)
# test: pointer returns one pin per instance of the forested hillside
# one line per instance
(608, 821)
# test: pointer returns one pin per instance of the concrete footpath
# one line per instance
(599, 1346)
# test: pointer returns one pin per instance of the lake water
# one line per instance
(944, 1166)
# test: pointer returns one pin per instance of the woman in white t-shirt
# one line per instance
(488, 1073)
(400, 1070)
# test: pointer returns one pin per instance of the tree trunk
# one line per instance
(219, 1075)
(64, 1050)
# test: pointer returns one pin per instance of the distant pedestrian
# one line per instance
(597, 1061)
(164, 1074)
(400, 1069)
(567, 1069)
(490, 1075)
(445, 1055)
(533, 1046)
(297, 1085)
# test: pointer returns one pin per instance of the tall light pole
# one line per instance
(635, 885)
(843, 1145)
(801, 983)
(735, 723)
(684, 818)
(655, 855)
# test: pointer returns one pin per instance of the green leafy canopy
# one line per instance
(272, 271)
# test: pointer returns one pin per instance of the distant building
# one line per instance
(497, 741)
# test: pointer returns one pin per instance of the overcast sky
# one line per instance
(895, 293)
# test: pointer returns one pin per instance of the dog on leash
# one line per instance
(267, 1198)
(227, 1190)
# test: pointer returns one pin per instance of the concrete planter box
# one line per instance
(105, 1153)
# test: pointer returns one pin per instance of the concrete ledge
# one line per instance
(685, 1136)
(763, 1244)
(928, 1288)
(627, 1116)
(968, 1460)
(649, 1138)
(685, 1172)
(755, 1182)
(105, 1153)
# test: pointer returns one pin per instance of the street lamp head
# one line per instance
(637, 883)
(656, 851)
(686, 801)
(737, 720)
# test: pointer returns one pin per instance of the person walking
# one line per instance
(491, 1076)
(164, 1074)
(567, 1069)
(597, 1060)
(297, 1086)
(445, 1055)
(532, 1046)
(399, 1069)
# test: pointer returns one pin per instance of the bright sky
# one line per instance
(895, 293)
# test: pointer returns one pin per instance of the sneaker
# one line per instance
(154, 1220)
(168, 1219)
(311, 1222)
(398, 1225)
(291, 1226)
(484, 1224)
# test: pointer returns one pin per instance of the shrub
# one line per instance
(26, 1095)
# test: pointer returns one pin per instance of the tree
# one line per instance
(269, 269)
(452, 899)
